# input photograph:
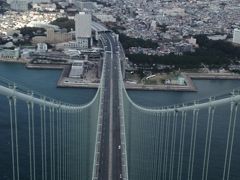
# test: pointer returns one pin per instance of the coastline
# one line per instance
(19, 61)
(65, 82)
(189, 77)
(219, 76)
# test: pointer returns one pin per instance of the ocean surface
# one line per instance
(45, 81)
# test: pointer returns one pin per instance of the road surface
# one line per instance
(110, 152)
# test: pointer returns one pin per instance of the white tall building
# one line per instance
(83, 30)
(236, 36)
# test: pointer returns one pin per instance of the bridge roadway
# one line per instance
(110, 151)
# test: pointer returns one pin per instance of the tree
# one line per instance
(15, 35)
(32, 31)
(188, 60)
(163, 27)
(64, 22)
(30, 6)
(128, 42)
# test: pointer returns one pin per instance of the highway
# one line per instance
(110, 149)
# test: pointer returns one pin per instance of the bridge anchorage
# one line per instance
(112, 138)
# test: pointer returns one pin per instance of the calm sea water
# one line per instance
(44, 81)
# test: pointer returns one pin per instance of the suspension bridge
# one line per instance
(112, 138)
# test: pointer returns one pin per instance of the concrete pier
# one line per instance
(64, 81)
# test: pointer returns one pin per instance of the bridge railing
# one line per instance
(96, 164)
(122, 123)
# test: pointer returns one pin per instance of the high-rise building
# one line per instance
(21, 5)
(83, 30)
(236, 36)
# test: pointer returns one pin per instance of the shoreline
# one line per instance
(18, 61)
(189, 77)
(160, 88)
(65, 82)
(219, 76)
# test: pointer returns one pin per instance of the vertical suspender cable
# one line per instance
(68, 145)
(45, 140)
(57, 144)
(12, 137)
(16, 134)
(53, 142)
(157, 142)
(42, 149)
(208, 142)
(78, 143)
(33, 141)
(230, 140)
(63, 143)
(51, 154)
(81, 141)
(181, 146)
(74, 142)
(161, 144)
(142, 142)
(193, 144)
(228, 137)
(165, 163)
(30, 140)
(60, 144)
(173, 144)
(155, 126)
